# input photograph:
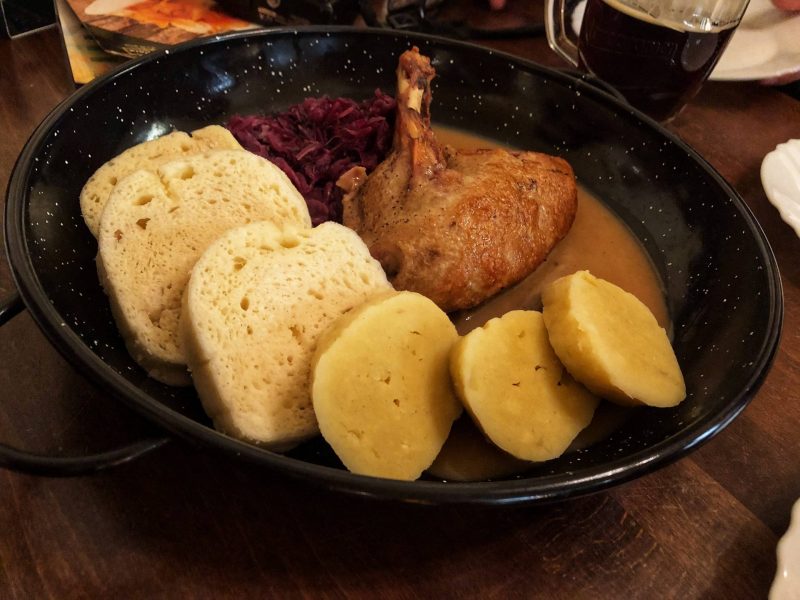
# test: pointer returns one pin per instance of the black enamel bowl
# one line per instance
(719, 274)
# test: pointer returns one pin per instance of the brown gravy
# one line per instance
(599, 242)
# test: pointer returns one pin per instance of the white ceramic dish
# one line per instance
(766, 45)
(780, 176)
(786, 585)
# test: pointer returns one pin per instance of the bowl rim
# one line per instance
(500, 492)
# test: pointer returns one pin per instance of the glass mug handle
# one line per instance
(555, 27)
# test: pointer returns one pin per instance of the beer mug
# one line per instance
(656, 53)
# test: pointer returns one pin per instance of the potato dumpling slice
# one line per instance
(516, 389)
(381, 387)
(611, 342)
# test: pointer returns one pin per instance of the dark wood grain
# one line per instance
(188, 523)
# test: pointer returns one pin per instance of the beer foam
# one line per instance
(698, 16)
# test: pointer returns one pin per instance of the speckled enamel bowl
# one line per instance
(720, 277)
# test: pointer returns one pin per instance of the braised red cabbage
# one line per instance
(318, 140)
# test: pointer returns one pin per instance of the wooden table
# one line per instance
(186, 523)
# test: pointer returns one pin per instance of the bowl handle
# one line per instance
(10, 306)
(71, 466)
(66, 466)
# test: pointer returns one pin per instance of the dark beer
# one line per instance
(656, 59)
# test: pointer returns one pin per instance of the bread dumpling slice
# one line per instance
(257, 301)
(157, 224)
(381, 385)
(148, 156)
(516, 390)
(610, 341)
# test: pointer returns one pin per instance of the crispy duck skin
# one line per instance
(456, 226)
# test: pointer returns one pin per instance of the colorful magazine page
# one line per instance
(86, 59)
(136, 27)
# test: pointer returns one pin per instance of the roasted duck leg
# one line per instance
(456, 226)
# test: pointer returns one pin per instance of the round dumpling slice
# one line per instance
(611, 342)
(381, 388)
(516, 389)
